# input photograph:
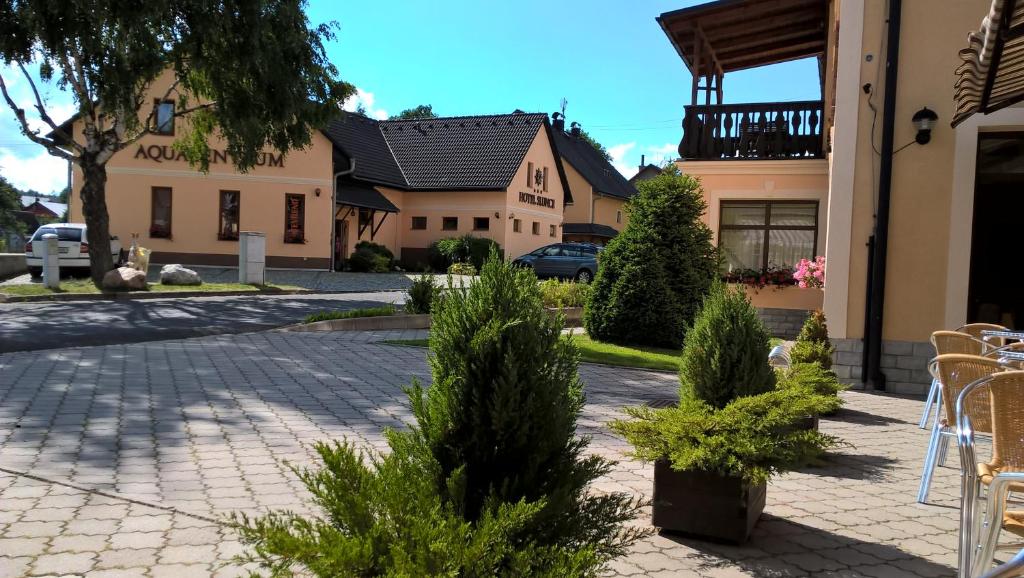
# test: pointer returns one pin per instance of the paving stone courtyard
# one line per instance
(121, 460)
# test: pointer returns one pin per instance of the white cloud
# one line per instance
(366, 100)
(43, 172)
(657, 155)
(618, 153)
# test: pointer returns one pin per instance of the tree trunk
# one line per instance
(94, 208)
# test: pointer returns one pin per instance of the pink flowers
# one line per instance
(810, 273)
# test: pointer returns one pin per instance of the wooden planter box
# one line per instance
(705, 505)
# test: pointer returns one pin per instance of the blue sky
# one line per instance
(609, 59)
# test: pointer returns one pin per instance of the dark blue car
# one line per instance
(577, 261)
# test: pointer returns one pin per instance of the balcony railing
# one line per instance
(757, 131)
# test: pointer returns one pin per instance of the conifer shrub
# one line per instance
(726, 351)
(491, 479)
(654, 274)
(812, 344)
(816, 379)
(422, 294)
(752, 438)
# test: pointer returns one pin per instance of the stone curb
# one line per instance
(381, 322)
(154, 295)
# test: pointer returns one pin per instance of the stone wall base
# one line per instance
(783, 323)
(904, 363)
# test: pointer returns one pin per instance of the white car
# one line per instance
(72, 242)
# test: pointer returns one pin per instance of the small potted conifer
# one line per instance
(733, 429)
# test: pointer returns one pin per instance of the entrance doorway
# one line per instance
(996, 288)
(340, 243)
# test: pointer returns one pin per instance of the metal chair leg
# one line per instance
(967, 512)
(944, 449)
(989, 537)
(933, 391)
(929, 464)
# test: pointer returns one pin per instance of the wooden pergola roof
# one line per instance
(728, 35)
(991, 76)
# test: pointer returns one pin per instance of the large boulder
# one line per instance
(124, 279)
(178, 275)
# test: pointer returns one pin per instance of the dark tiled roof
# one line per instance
(646, 172)
(467, 152)
(360, 137)
(450, 153)
(594, 229)
(355, 195)
(590, 163)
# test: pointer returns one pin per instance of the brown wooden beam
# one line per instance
(809, 47)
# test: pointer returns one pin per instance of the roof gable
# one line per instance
(471, 152)
(446, 153)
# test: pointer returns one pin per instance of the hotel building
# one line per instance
(913, 215)
(517, 178)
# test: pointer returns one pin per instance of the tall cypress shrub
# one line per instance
(655, 273)
(491, 479)
(726, 352)
(502, 411)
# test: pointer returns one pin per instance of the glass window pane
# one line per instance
(165, 118)
(742, 249)
(786, 248)
(793, 214)
(743, 213)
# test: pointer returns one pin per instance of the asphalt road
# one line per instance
(54, 325)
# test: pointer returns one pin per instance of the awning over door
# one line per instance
(991, 76)
(364, 197)
(365, 201)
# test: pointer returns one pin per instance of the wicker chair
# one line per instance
(950, 342)
(975, 329)
(955, 371)
(1003, 392)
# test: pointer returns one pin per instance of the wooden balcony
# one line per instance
(756, 131)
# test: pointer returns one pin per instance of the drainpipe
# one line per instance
(876, 297)
(334, 201)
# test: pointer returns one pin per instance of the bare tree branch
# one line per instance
(51, 146)
(41, 108)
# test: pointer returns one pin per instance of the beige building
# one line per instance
(401, 184)
(599, 191)
(791, 180)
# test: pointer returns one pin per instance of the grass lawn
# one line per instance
(85, 286)
(350, 314)
(608, 354)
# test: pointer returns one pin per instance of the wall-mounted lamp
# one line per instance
(316, 191)
(497, 215)
(924, 121)
(511, 216)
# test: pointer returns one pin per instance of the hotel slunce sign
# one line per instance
(532, 199)
(161, 153)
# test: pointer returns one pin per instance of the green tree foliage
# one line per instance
(421, 111)
(10, 201)
(491, 479)
(256, 73)
(812, 344)
(655, 273)
(726, 351)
